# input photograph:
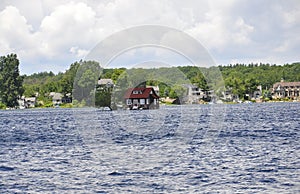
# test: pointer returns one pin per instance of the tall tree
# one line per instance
(68, 78)
(85, 82)
(10, 80)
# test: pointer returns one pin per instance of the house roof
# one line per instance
(57, 96)
(141, 93)
(286, 84)
(105, 81)
(30, 99)
(189, 86)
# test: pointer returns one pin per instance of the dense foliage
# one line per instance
(41, 84)
(80, 80)
(241, 79)
(11, 87)
(85, 82)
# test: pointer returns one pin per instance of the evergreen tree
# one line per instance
(10, 80)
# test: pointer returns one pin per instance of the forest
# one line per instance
(241, 79)
(82, 76)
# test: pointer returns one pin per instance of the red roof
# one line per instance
(139, 93)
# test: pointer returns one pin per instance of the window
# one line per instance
(142, 101)
(137, 92)
(128, 102)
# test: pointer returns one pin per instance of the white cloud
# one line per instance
(80, 53)
(15, 33)
(68, 24)
(59, 32)
(241, 36)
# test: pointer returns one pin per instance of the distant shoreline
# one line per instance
(162, 104)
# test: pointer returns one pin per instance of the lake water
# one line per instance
(243, 148)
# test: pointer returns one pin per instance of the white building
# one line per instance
(194, 94)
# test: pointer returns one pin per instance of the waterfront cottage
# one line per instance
(286, 90)
(194, 94)
(141, 98)
(228, 95)
(56, 98)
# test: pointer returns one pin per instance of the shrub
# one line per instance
(2, 106)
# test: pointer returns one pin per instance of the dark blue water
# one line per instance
(251, 148)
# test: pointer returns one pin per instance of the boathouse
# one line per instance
(141, 98)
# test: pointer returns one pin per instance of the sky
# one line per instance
(49, 35)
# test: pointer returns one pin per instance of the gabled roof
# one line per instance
(105, 81)
(30, 99)
(286, 84)
(141, 93)
(190, 86)
(57, 96)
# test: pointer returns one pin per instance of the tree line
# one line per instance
(81, 77)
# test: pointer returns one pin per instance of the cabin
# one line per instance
(141, 98)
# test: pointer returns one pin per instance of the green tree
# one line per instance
(177, 91)
(68, 78)
(103, 97)
(11, 87)
(85, 82)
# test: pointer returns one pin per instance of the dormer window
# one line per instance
(136, 92)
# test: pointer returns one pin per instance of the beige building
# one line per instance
(286, 90)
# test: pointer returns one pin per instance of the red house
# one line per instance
(141, 98)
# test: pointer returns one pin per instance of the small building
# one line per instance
(21, 102)
(56, 98)
(108, 83)
(194, 94)
(228, 95)
(286, 90)
(257, 94)
(67, 98)
(30, 102)
(141, 98)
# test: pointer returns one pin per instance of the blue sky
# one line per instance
(49, 35)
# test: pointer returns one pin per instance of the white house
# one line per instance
(30, 102)
(194, 94)
(56, 98)
(105, 82)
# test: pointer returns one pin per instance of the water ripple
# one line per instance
(171, 150)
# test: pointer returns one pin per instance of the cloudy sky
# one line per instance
(51, 34)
